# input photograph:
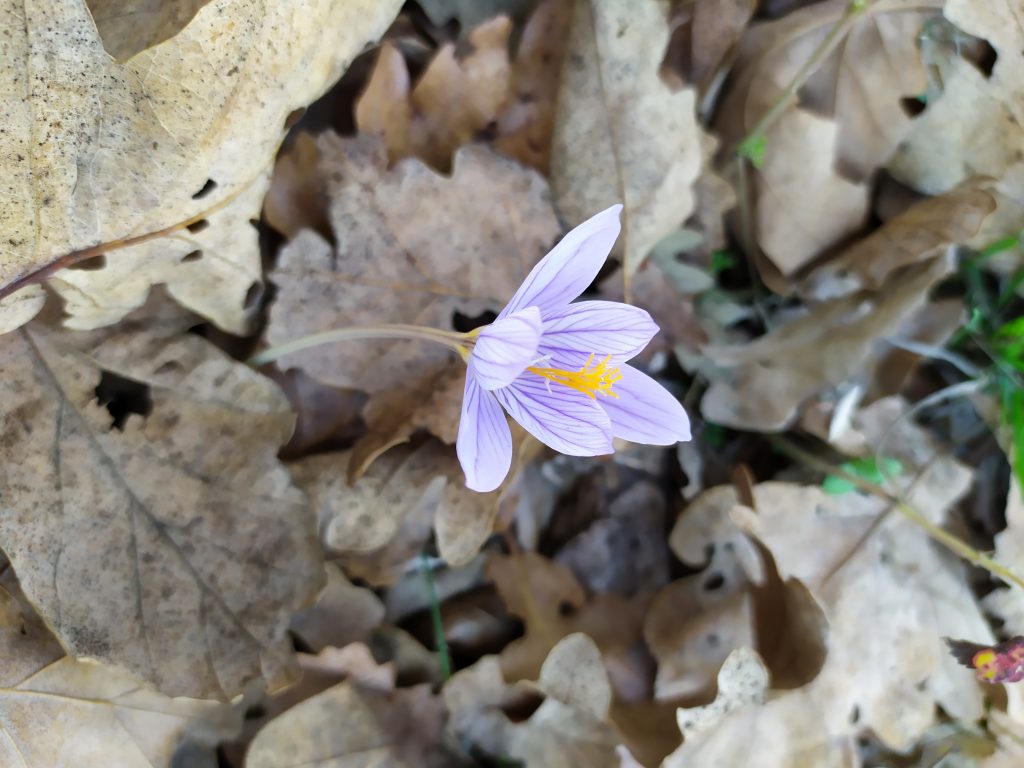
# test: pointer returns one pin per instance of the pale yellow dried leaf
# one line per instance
(621, 134)
(20, 307)
(803, 204)
(62, 713)
(742, 680)
(773, 375)
(574, 675)
(97, 150)
(1008, 604)
(177, 546)
(975, 126)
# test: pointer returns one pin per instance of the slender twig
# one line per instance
(953, 543)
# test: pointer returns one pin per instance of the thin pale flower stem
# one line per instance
(451, 339)
(953, 543)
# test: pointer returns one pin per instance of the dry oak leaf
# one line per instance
(412, 246)
(621, 134)
(772, 376)
(360, 723)
(174, 545)
(452, 102)
(97, 150)
(975, 126)
(56, 712)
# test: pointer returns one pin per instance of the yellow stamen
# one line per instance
(591, 381)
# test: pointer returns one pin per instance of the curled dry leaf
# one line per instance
(453, 100)
(103, 150)
(386, 516)
(173, 544)
(62, 713)
(621, 135)
(494, 220)
(356, 723)
(821, 156)
(773, 375)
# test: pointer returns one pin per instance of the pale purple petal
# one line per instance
(599, 327)
(560, 417)
(644, 411)
(504, 348)
(570, 266)
(484, 445)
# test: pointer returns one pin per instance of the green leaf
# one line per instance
(722, 260)
(866, 469)
(753, 149)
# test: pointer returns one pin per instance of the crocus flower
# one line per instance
(559, 369)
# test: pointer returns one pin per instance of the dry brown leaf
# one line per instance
(567, 730)
(357, 724)
(470, 13)
(101, 150)
(526, 123)
(174, 545)
(128, 28)
(774, 375)
(552, 605)
(387, 514)
(704, 37)
(453, 101)
(494, 220)
(62, 713)
(804, 205)
(343, 614)
(918, 234)
(974, 127)
(621, 135)
(814, 187)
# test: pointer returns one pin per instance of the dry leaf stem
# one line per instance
(953, 543)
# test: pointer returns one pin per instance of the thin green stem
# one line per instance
(443, 657)
(953, 543)
(854, 10)
(451, 339)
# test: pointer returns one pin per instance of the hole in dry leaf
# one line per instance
(253, 295)
(191, 256)
(91, 264)
(198, 226)
(464, 323)
(206, 189)
(293, 117)
(714, 581)
(912, 106)
(713, 640)
(521, 708)
(982, 55)
(255, 712)
(566, 609)
(122, 397)
(855, 715)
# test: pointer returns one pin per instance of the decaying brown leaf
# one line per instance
(820, 157)
(454, 99)
(704, 37)
(128, 28)
(360, 722)
(774, 374)
(387, 515)
(621, 135)
(412, 247)
(61, 713)
(173, 544)
(101, 150)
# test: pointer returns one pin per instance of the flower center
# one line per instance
(592, 379)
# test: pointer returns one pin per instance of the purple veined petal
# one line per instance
(504, 348)
(558, 416)
(484, 445)
(644, 411)
(570, 266)
(599, 327)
